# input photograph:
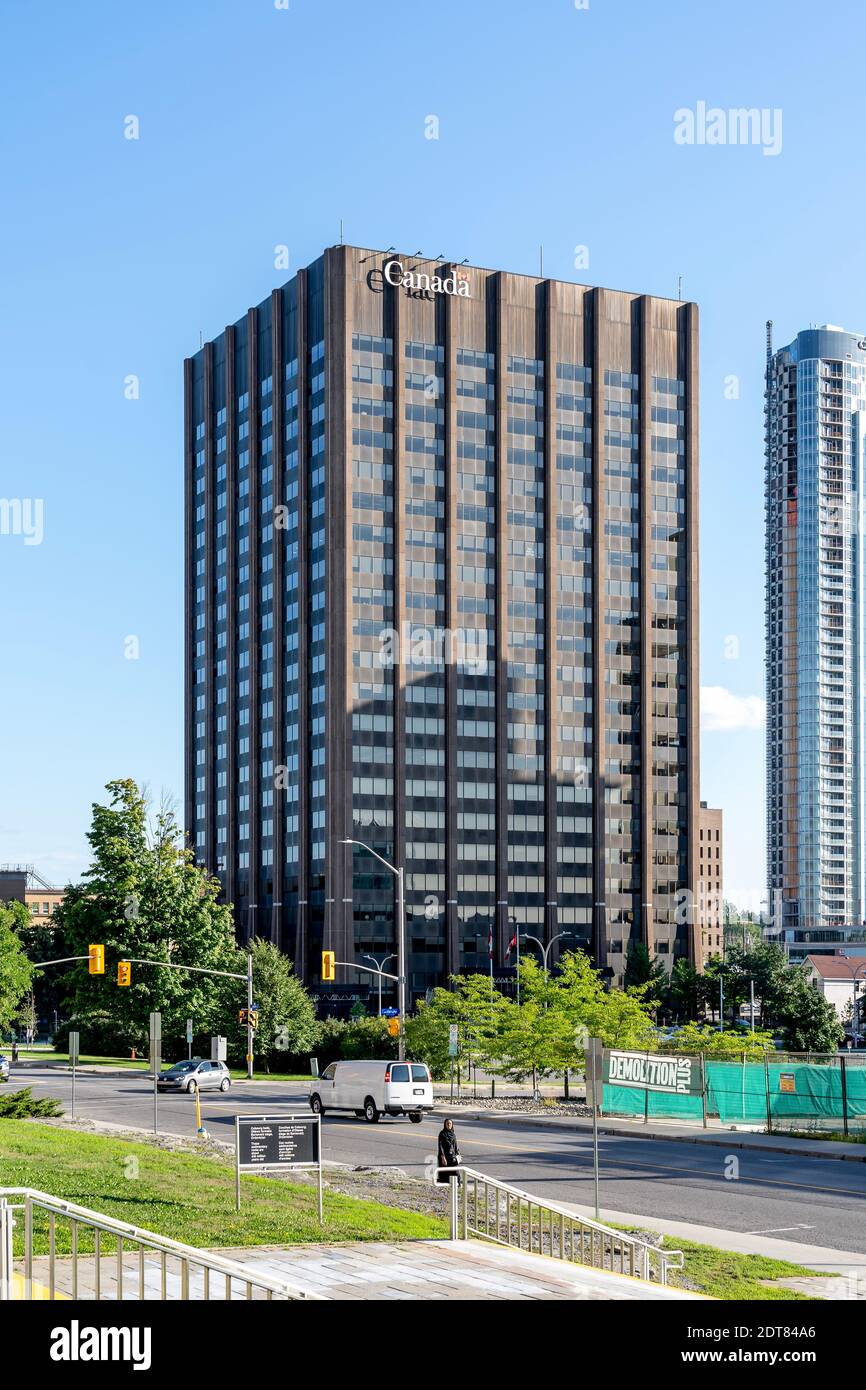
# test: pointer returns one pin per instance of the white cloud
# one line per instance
(723, 712)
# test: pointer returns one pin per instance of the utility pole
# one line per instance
(398, 873)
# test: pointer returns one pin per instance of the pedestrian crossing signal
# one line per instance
(329, 965)
(96, 960)
(124, 972)
(394, 1027)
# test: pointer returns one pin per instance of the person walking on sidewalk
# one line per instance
(449, 1153)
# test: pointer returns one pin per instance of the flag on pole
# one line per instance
(512, 943)
(490, 941)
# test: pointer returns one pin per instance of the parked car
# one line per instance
(195, 1075)
(4, 1067)
(372, 1089)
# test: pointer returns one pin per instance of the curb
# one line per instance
(728, 1139)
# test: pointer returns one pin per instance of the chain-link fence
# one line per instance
(784, 1091)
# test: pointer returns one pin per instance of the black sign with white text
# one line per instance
(278, 1143)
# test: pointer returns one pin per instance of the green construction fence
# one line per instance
(757, 1093)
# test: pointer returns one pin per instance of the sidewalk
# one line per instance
(366, 1270)
(678, 1133)
(850, 1266)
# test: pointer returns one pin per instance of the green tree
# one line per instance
(621, 1018)
(478, 1013)
(685, 995)
(427, 1037)
(808, 1022)
(367, 1037)
(531, 1039)
(43, 940)
(733, 1042)
(16, 971)
(287, 1020)
(144, 896)
(642, 970)
(766, 965)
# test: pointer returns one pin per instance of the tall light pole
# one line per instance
(380, 964)
(545, 950)
(401, 938)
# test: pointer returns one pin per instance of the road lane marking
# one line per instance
(779, 1230)
(654, 1168)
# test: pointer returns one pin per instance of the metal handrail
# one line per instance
(188, 1255)
(598, 1251)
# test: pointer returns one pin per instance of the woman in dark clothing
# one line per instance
(449, 1154)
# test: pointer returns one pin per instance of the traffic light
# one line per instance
(254, 1018)
(96, 960)
(329, 965)
(124, 972)
(394, 1027)
(242, 1016)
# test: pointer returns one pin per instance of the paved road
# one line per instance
(812, 1200)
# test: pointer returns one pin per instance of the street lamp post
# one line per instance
(380, 966)
(545, 950)
(401, 938)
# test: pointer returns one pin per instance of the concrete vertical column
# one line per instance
(210, 607)
(551, 599)
(275, 925)
(502, 625)
(231, 616)
(189, 600)
(302, 350)
(396, 304)
(451, 920)
(251, 925)
(339, 931)
(647, 608)
(688, 330)
(600, 358)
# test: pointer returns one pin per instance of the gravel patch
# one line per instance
(524, 1105)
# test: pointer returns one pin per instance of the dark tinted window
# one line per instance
(400, 1073)
(328, 1073)
(420, 1074)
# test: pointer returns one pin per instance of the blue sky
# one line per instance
(261, 126)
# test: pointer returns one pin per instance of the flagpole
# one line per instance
(517, 943)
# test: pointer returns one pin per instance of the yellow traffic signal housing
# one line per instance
(394, 1027)
(329, 962)
(242, 1016)
(96, 960)
(124, 972)
(254, 1018)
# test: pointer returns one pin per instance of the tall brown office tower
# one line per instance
(442, 598)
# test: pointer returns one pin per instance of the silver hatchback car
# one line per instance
(195, 1075)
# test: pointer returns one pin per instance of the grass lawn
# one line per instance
(187, 1197)
(726, 1274)
(856, 1136)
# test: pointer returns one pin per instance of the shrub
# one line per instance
(100, 1036)
(23, 1105)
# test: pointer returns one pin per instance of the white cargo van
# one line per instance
(371, 1089)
